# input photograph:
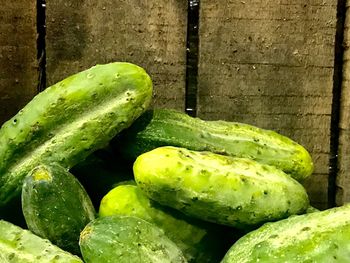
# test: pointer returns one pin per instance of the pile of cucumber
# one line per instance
(90, 173)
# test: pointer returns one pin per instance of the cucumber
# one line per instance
(198, 240)
(21, 246)
(70, 120)
(56, 206)
(126, 239)
(237, 192)
(165, 127)
(311, 209)
(321, 237)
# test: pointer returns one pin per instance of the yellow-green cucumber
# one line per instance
(126, 239)
(18, 245)
(237, 192)
(166, 127)
(56, 206)
(321, 236)
(199, 241)
(70, 120)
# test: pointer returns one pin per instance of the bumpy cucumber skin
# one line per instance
(236, 192)
(126, 239)
(165, 127)
(22, 246)
(199, 241)
(70, 120)
(56, 206)
(321, 237)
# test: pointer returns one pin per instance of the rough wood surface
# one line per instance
(150, 33)
(270, 63)
(18, 63)
(343, 182)
(263, 62)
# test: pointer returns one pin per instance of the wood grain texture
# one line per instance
(18, 63)
(151, 34)
(343, 178)
(270, 63)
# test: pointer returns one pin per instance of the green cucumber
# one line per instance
(126, 239)
(70, 120)
(164, 127)
(311, 209)
(56, 206)
(237, 192)
(198, 240)
(18, 245)
(321, 237)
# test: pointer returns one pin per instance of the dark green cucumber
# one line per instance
(238, 192)
(70, 120)
(56, 206)
(199, 241)
(163, 127)
(321, 237)
(22, 246)
(126, 239)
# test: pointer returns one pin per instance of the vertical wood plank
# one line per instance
(270, 63)
(149, 33)
(343, 178)
(18, 63)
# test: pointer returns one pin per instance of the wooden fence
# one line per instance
(278, 64)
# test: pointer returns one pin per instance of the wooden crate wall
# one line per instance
(264, 62)
(151, 34)
(343, 176)
(18, 56)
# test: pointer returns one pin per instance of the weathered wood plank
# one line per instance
(18, 51)
(270, 63)
(343, 179)
(151, 34)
